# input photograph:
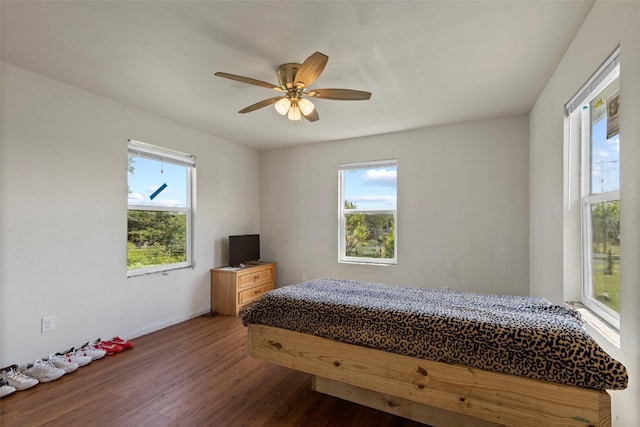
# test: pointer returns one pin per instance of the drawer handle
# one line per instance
(256, 292)
(257, 276)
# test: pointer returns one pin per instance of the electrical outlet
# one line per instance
(48, 324)
(304, 277)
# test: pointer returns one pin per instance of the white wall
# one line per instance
(64, 204)
(462, 207)
(552, 251)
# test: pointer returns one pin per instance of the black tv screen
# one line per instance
(244, 248)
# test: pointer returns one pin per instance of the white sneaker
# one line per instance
(94, 353)
(44, 371)
(77, 357)
(6, 390)
(14, 378)
(63, 363)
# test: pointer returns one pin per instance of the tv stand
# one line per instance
(233, 289)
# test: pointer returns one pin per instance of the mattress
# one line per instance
(523, 336)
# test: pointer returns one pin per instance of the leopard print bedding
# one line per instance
(523, 336)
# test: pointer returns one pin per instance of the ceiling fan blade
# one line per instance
(249, 81)
(310, 69)
(340, 94)
(312, 116)
(260, 104)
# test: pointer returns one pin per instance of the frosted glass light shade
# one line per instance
(294, 113)
(282, 106)
(306, 106)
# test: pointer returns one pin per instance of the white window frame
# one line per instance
(342, 212)
(164, 155)
(578, 112)
(605, 312)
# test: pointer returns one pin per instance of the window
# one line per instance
(594, 116)
(367, 212)
(159, 216)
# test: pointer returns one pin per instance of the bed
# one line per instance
(439, 357)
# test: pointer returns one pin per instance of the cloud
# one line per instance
(140, 200)
(384, 177)
(170, 203)
(387, 200)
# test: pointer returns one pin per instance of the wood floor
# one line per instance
(196, 373)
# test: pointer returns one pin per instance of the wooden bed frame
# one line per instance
(429, 392)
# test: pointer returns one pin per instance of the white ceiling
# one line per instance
(426, 63)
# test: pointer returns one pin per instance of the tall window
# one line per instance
(594, 112)
(159, 219)
(367, 212)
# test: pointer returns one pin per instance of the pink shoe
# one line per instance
(122, 343)
(110, 348)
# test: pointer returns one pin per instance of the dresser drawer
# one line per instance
(233, 289)
(249, 295)
(255, 278)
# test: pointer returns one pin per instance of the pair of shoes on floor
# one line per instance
(44, 371)
(114, 345)
(125, 344)
(62, 362)
(90, 350)
(75, 356)
(6, 389)
(13, 377)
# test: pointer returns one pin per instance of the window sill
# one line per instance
(138, 273)
(379, 264)
(597, 323)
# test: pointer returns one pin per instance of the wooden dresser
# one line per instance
(234, 289)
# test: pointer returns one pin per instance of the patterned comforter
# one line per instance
(523, 336)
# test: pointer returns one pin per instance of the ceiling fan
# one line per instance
(295, 80)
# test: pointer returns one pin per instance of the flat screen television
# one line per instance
(244, 249)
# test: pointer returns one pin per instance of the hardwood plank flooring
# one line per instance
(196, 373)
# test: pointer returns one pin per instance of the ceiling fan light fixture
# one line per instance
(306, 106)
(282, 106)
(295, 80)
(294, 113)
